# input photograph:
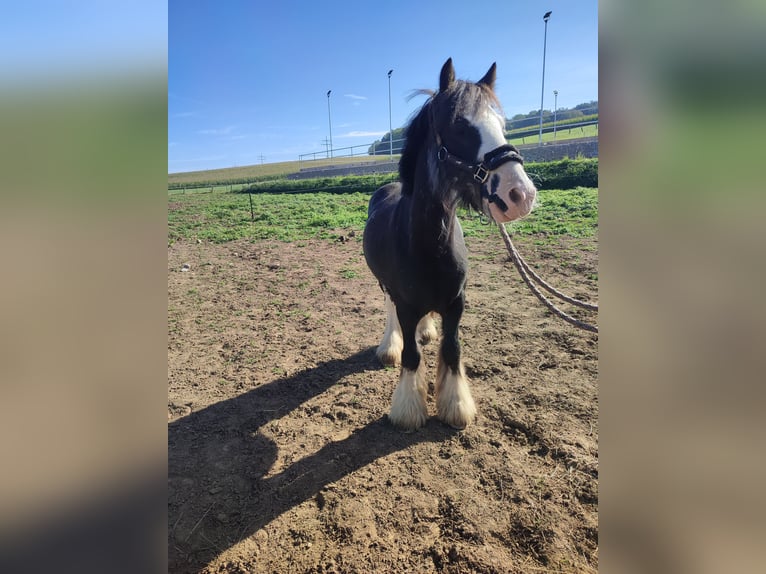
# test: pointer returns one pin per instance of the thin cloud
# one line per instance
(354, 97)
(217, 131)
(361, 134)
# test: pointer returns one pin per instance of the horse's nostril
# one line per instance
(516, 195)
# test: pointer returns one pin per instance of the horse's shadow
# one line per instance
(218, 493)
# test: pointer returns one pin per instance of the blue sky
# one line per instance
(249, 79)
(48, 41)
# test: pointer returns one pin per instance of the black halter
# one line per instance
(492, 160)
(481, 171)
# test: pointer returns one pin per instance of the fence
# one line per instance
(552, 151)
(561, 117)
(353, 151)
(380, 148)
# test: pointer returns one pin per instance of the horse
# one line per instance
(455, 155)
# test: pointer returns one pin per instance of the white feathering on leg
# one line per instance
(389, 351)
(408, 407)
(426, 331)
(454, 403)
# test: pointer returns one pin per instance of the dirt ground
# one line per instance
(281, 457)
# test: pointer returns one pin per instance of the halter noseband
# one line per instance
(492, 160)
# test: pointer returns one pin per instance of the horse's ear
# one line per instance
(447, 76)
(489, 78)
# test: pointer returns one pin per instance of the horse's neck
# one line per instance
(432, 221)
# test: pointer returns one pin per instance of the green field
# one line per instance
(249, 173)
(562, 134)
(223, 216)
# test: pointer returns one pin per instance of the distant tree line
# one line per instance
(383, 147)
(533, 117)
(517, 122)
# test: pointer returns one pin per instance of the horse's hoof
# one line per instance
(455, 426)
(406, 430)
(457, 414)
(408, 418)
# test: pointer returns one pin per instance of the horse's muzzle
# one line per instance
(505, 206)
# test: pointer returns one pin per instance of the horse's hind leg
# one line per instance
(389, 351)
(454, 403)
(408, 406)
(426, 329)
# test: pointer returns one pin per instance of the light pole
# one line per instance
(542, 94)
(555, 109)
(329, 118)
(390, 131)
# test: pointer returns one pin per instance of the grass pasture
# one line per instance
(250, 173)
(223, 216)
(563, 133)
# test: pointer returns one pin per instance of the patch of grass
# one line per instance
(219, 217)
(572, 212)
(337, 184)
(349, 273)
(563, 133)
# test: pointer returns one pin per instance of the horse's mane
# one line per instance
(414, 138)
(470, 96)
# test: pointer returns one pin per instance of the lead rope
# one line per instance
(525, 273)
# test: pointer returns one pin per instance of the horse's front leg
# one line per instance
(454, 403)
(408, 407)
(389, 351)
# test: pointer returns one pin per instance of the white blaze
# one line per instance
(491, 126)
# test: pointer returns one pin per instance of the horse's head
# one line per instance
(469, 130)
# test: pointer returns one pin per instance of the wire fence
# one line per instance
(521, 128)
(376, 148)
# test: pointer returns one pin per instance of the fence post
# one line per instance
(252, 215)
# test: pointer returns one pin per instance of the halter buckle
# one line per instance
(481, 174)
(441, 155)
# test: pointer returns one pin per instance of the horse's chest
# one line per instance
(437, 281)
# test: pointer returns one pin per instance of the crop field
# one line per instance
(235, 175)
(563, 133)
(280, 454)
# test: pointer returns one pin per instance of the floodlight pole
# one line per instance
(329, 118)
(555, 110)
(390, 130)
(542, 94)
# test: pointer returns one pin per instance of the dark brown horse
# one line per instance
(455, 154)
